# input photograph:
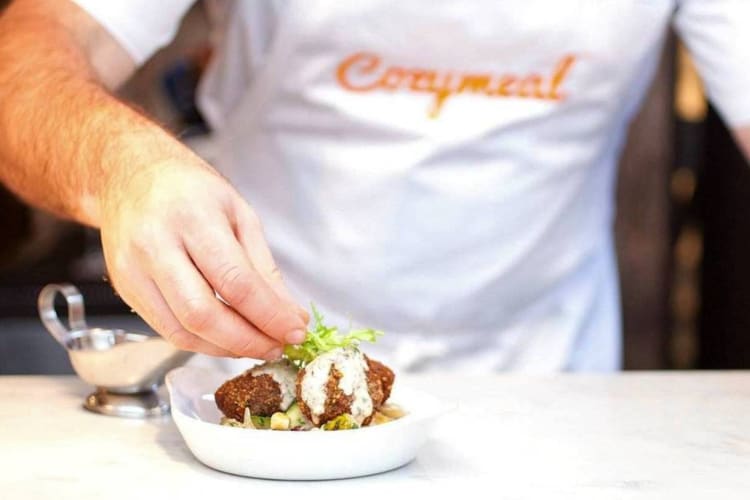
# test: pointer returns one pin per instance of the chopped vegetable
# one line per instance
(340, 423)
(247, 421)
(324, 338)
(296, 419)
(279, 421)
(230, 422)
(261, 422)
(392, 411)
(379, 419)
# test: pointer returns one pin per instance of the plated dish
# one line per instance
(296, 455)
(255, 450)
(326, 383)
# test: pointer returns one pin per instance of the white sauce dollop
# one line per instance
(284, 373)
(351, 363)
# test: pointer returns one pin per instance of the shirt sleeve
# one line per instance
(141, 26)
(717, 34)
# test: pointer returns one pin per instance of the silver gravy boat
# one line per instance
(126, 368)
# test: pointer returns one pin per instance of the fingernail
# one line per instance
(304, 315)
(273, 354)
(296, 337)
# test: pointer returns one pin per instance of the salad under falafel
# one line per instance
(324, 383)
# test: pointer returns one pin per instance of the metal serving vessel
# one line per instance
(126, 368)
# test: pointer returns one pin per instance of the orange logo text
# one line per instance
(366, 72)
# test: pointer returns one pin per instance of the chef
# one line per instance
(442, 171)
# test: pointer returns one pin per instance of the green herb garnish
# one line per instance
(324, 338)
(340, 423)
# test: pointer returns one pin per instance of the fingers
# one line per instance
(182, 243)
(228, 269)
(151, 306)
(250, 235)
(193, 303)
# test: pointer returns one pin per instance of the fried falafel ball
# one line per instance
(343, 381)
(264, 389)
(379, 380)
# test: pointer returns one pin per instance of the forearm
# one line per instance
(65, 142)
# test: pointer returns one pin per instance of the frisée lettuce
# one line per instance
(322, 338)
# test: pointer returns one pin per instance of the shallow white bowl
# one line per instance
(296, 455)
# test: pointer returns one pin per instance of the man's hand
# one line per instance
(175, 233)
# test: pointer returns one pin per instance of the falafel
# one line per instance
(343, 381)
(263, 389)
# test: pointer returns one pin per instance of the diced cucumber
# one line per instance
(296, 418)
(340, 423)
(280, 421)
(261, 422)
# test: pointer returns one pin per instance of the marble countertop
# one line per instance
(637, 435)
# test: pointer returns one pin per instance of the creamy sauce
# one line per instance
(125, 365)
(283, 373)
(353, 367)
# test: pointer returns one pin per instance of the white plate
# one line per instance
(296, 455)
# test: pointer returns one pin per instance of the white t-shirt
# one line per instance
(444, 170)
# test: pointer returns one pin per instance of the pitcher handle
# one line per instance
(48, 315)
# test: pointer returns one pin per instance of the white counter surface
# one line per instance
(643, 435)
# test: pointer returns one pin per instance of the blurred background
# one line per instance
(682, 229)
